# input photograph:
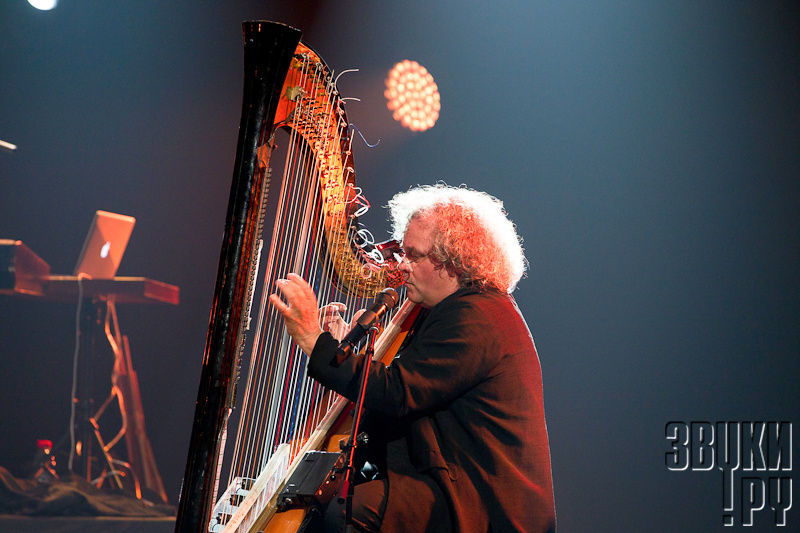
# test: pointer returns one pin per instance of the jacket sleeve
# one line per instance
(452, 352)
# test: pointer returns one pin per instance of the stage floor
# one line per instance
(84, 524)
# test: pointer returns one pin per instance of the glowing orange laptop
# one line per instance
(105, 244)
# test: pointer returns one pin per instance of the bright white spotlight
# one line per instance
(413, 96)
(44, 5)
(7, 146)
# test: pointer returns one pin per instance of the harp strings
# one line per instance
(281, 404)
(268, 357)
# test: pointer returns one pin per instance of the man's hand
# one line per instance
(332, 320)
(299, 311)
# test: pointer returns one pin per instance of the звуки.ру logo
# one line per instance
(755, 459)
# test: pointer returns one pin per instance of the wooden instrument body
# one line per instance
(286, 85)
(387, 346)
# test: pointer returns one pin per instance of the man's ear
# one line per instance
(450, 269)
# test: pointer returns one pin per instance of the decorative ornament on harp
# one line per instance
(313, 110)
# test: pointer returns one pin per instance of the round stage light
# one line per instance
(43, 5)
(412, 95)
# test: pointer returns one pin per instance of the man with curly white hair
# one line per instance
(457, 418)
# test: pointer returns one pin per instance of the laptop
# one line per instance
(104, 245)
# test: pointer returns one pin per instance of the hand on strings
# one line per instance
(333, 322)
(299, 311)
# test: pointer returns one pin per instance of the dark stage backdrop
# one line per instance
(648, 151)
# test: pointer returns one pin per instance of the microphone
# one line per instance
(386, 300)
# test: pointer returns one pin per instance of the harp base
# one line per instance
(315, 482)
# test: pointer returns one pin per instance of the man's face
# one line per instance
(426, 283)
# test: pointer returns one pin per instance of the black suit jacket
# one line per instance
(466, 391)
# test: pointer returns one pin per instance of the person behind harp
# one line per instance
(458, 414)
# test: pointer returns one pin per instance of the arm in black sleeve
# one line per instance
(453, 351)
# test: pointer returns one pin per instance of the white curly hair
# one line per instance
(473, 237)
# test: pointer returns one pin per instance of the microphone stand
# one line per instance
(353, 443)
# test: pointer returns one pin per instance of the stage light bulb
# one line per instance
(412, 95)
(43, 5)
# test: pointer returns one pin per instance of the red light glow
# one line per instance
(412, 95)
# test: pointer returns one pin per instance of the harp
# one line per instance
(308, 225)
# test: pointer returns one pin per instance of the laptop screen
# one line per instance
(105, 244)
